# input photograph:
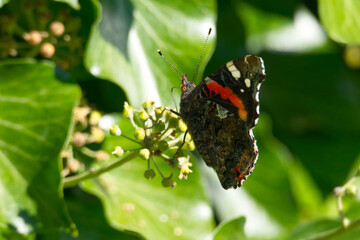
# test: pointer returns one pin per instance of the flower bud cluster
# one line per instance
(48, 32)
(161, 133)
(86, 131)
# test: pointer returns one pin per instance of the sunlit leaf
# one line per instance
(341, 19)
(233, 229)
(36, 113)
(123, 45)
(73, 3)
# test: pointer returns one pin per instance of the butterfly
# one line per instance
(220, 114)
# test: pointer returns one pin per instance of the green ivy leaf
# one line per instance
(92, 224)
(35, 117)
(341, 20)
(73, 3)
(3, 2)
(123, 44)
(233, 229)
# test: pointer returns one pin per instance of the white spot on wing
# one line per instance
(207, 79)
(233, 70)
(258, 109)
(258, 86)
(262, 65)
(236, 74)
(247, 82)
(241, 90)
(257, 96)
(229, 64)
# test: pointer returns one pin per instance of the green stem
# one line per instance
(336, 232)
(130, 139)
(153, 158)
(74, 180)
(87, 152)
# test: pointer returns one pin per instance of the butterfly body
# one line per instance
(220, 113)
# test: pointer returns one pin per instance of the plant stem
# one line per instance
(336, 232)
(73, 180)
(153, 158)
(130, 139)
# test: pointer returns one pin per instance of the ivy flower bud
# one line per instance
(167, 182)
(149, 174)
(144, 153)
(148, 104)
(97, 134)
(80, 139)
(163, 145)
(128, 110)
(95, 117)
(118, 151)
(143, 115)
(47, 50)
(159, 111)
(57, 28)
(160, 126)
(173, 122)
(33, 37)
(173, 162)
(351, 190)
(101, 155)
(139, 134)
(115, 130)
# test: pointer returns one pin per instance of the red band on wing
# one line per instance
(239, 175)
(236, 101)
(242, 114)
(227, 93)
(205, 92)
(214, 87)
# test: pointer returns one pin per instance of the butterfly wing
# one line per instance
(220, 113)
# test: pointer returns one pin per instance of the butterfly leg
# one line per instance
(182, 144)
(173, 111)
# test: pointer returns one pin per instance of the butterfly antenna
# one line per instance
(202, 53)
(159, 52)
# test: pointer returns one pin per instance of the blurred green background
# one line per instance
(104, 53)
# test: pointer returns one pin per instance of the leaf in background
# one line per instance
(73, 3)
(233, 229)
(135, 203)
(280, 7)
(3, 2)
(88, 215)
(315, 112)
(321, 229)
(341, 20)
(123, 44)
(270, 184)
(35, 117)
(308, 229)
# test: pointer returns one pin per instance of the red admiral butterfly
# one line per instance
(220, 114)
